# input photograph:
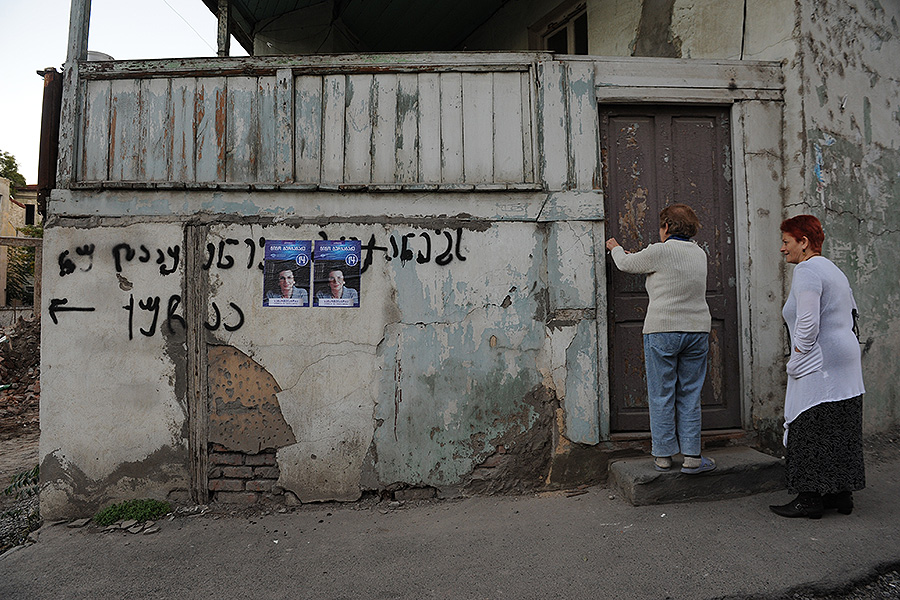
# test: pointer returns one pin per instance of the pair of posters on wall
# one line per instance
(322, 273)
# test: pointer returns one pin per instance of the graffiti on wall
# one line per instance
(147, 316)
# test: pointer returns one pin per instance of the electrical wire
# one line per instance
(189, 25)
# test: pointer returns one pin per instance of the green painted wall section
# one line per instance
(463, 360)
(859, 190)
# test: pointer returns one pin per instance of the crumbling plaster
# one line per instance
(421, 383)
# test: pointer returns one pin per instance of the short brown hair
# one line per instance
(805, 226)
(681, 219)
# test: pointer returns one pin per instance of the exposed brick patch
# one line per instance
(260, 485)
(238, 472)
(267, 459)
(226, 458)
(239, 478)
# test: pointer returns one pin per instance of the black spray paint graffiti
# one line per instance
(119, 252)
(406, 252)
(225, 260)
(124, 253)
(152, 304)
(407, 247)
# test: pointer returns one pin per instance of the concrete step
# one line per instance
(740, 471)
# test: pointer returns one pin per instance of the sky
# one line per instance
(35, 36)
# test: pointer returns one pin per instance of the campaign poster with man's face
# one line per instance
(336, 277)
(287, 269)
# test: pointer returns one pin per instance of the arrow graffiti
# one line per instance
(58, 305)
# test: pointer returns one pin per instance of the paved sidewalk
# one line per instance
(593, 545)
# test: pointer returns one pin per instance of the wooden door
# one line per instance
(654, 156)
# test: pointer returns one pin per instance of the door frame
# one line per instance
(754, 90)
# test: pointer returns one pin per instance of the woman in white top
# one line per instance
(823, 401)
(676, 335)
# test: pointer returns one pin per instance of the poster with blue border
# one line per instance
(286, 272)
(336, 273)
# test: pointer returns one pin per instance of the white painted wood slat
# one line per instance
(407, 140)
(528, 116)
(157, 130)
(451, 128)
(283, 143)
(478, 127)
(184, 91)
(333, 101)
(210, 120)
(308, 97)
(125, 130)
(384, 132)
(553, 140)
(242, 129)
(429, 128)
(584, 132)
(95, 138)
(509, 160)
(267, 123)
(358, 127)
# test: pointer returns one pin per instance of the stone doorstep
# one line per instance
(740, 471)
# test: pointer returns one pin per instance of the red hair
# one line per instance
(805, 226)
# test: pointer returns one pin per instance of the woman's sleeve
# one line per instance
(635, 262)
(807, 289)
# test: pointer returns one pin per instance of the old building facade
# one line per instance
(492, 348)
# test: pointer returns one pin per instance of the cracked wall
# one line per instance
(436, 371)
(851, 166)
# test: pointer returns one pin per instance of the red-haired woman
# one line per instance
(823, 401)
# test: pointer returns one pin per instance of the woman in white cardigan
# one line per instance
(676, 336)
(823, 401)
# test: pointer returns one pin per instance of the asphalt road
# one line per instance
(593, 545)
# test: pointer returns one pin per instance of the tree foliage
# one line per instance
(20, 269)
(9, 168)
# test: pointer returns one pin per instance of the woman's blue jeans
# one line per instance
(676, 368)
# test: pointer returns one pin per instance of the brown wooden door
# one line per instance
(654, 156)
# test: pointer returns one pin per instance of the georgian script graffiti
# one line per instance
(145, 315)
(413, 245)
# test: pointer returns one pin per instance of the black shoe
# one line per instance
(842, 501)
(801, 506)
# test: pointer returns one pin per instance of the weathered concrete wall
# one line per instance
(114, 369)
(445, 365)
(850, 167)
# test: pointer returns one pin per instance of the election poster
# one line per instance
(287, 269)
(336, 273)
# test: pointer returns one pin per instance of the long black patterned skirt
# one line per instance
(824, 449)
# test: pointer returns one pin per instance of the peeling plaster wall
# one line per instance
(427, 378)
(444, 369)
(116, 427)
(850, 171)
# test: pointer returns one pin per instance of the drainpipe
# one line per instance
(49, 149)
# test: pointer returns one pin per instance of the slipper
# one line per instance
(662, 463)
(706, 464)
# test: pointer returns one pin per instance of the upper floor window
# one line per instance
(564, 31)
